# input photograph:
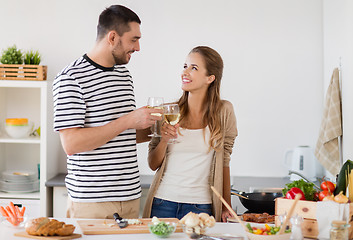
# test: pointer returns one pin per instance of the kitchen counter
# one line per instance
(220, 229)
(246, 184)
(233, 229)
(239, 183)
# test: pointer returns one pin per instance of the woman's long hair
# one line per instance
(212, 104)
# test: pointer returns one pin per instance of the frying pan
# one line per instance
(258, 202)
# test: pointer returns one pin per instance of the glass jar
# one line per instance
(339, 230)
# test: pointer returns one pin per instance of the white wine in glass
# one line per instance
(157, 103)
(171, 115)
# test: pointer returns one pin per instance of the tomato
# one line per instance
(328, 186)
(323, 194)
(293, 192)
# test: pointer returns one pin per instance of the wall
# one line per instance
(338, 52)
(272, 52)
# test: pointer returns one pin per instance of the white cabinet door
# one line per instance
(59, 202)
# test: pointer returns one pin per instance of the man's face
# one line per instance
(127, 44)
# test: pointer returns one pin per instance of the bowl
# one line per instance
(284, 236)
(253, 236)
(162, 229)
(5, 221)
(194, 232)
(18, 127)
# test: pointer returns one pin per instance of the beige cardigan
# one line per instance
(220, 159)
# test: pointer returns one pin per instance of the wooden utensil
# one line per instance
(26, 235)
(109, 226)
(239, 195)
(229, 208)
(290, 213)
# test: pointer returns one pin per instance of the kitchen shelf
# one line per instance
(25, 99)
(32, 195)
(30, 140)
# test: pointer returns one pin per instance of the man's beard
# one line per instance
(119, 60)
(119, 55)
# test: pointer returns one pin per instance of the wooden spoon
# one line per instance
(239, 195)
(229, 208)
(290, 213)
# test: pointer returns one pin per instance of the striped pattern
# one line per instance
(89, 95)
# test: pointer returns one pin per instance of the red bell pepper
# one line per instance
(293, 192)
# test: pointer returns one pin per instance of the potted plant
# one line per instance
(12, 67)
(12, 55)
(31, 58)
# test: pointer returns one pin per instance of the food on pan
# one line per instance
(258, 217)
(48, 227)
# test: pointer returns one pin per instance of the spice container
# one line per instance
(339, 230)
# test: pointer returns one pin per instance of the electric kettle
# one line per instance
(302, 160)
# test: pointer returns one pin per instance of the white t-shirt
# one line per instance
(186, 178)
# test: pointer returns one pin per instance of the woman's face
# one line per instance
(194, 76)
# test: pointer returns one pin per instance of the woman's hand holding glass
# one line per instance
(169, 132)
(170, 124)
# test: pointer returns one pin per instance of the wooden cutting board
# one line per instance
(25, 234)
(109, 226)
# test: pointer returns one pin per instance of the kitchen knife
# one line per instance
(120, 221)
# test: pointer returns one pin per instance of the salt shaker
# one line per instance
(296, 228)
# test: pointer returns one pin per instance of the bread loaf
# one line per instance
(48, 227)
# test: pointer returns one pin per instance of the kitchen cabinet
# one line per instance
(60, 194)
(25, 99)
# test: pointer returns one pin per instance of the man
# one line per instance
(94, 112)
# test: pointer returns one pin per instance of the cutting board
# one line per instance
(25, 234)
(109, 226)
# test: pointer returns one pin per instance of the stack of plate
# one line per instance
(19, 181)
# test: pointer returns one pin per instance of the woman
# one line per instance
(205, 137)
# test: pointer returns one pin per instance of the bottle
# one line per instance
(296, 228)
(339, 230)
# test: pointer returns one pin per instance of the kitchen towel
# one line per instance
(327, 148)
(328, 211)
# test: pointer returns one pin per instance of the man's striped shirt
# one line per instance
(89, 95)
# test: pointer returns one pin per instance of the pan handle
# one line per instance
(237, 192)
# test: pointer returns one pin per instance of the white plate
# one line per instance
(19, 187)
(19, 176)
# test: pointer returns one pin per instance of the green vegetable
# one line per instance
(342, 182)
(249, 227)
(162, 229)
(306, 187)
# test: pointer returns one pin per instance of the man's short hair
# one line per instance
(117, 18)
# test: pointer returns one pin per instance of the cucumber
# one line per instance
(342, 177)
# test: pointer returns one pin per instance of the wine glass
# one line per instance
(171, 115)
(157, 103)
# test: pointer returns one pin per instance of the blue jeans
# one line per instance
(167, 209)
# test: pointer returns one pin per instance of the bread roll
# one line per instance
(48, 227)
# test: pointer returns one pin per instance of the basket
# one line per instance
(23, 72)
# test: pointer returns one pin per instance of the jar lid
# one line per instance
(338, 223)
(17, 121)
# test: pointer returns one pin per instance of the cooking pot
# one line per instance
(258, 202)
